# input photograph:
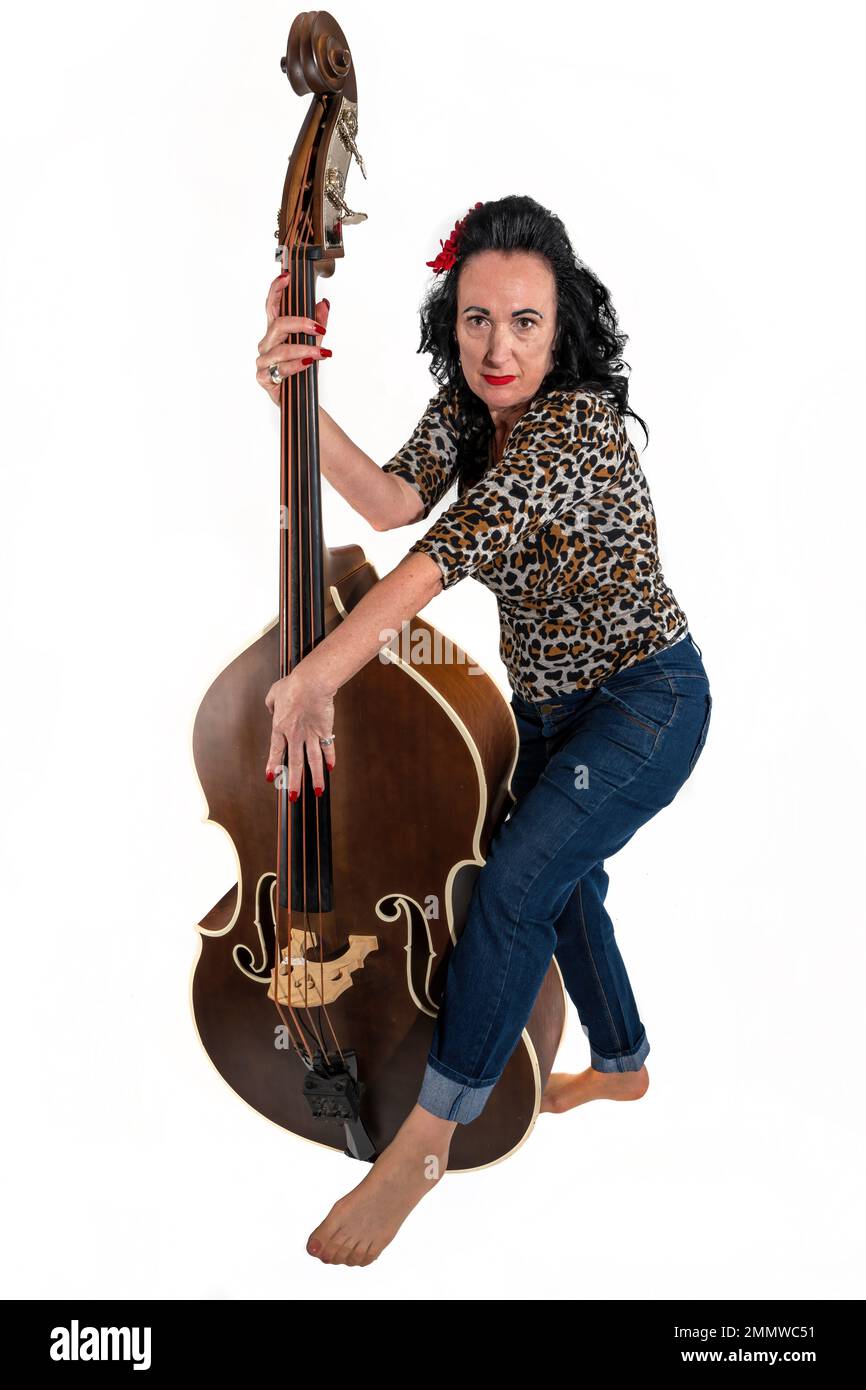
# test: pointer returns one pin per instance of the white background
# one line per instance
(706, 163)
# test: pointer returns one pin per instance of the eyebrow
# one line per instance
(515, 312)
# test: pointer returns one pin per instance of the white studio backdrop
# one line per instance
(704, 161)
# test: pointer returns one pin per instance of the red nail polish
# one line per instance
(293, 796)
(320, 328)
(305, 361)
(325, 352)
(269, 776)
(318, 790)
(327, 301)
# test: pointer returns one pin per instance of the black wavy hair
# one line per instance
(587, 348)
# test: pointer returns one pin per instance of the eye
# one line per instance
(479, 318)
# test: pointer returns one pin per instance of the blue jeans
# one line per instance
(593, 766)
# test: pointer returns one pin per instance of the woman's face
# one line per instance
(506, 325)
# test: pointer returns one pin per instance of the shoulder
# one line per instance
(570, 416)
(444, 402)
(436, 429)
(440, 416)
(575, 406)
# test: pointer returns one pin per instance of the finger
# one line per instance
(290, 352)
(274, 391)
(276, 754)
(314, 758)
(295, 772)
(287, 369)
(323, 312)
(278, 331)
(330, 756)
(275, 294)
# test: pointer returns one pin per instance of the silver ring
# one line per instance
(274, 373)
(326, 742)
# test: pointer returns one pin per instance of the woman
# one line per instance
(610, 695)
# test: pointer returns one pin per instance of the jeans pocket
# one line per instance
(703, 735)
(651, 704)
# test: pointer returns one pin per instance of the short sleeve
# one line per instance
(428, 459)
(560, 453)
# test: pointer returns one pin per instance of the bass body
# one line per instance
(426, 755)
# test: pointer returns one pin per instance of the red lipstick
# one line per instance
(498, 380)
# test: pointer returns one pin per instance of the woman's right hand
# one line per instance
(274, 346)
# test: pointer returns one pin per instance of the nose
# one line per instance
(499, 346)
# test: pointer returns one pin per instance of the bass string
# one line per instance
(292, 1022)
(297, 404)
(308, 386)
(288, 474)
(306, 609)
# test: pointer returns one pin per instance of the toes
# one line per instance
(348, 1252)
(317, 1242)
(329, 1234)
(342, 1253)
(325, 1241)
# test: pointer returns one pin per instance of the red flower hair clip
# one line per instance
(448, 255)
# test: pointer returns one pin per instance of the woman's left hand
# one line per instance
(303, 713)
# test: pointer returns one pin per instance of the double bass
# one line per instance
(320, 973)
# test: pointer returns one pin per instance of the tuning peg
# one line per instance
(358, 160)
(348, 129)
(333, 192)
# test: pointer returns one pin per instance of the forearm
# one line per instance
(380, 498)
(382, 611)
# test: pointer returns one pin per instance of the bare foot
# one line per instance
(360, 1225)
(564, 1091)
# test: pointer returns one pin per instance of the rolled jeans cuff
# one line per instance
(628, 1061)
(453, 1097)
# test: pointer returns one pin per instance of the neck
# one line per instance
(503, 420)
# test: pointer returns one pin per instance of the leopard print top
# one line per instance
(561, 529)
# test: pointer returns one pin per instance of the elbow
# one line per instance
(424, 576)
(384, 522)
(436, 583)
(394, 523)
